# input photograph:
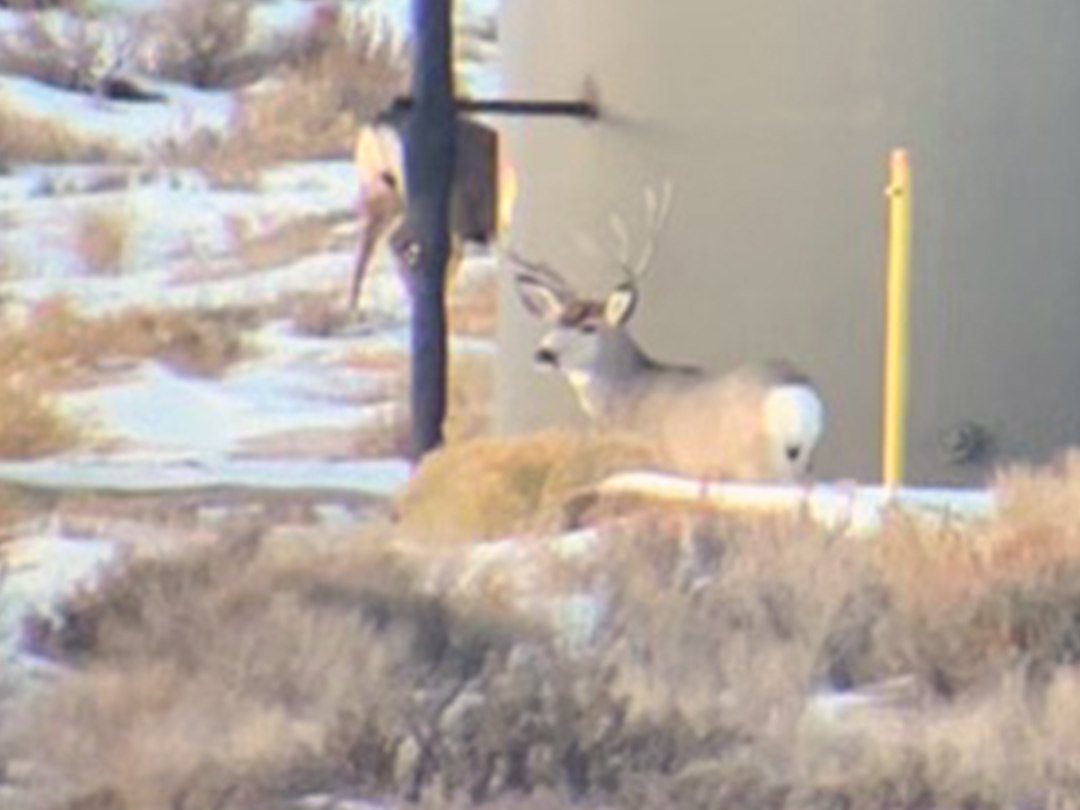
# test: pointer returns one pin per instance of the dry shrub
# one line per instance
(248, 672)
(470, 398)
(101, 239)
(724, 620)
(74, 6)
(201, 42)
(491, 487)
(969, 599)
(31, 425)
(309, 110)
(240, 672)
(59, 343)
(30, 139)
(281, 243)
(251, 672)
(63, 50)
(315, 315)
(1036, 531)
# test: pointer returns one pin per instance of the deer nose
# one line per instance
(546, 357)
(793, 451)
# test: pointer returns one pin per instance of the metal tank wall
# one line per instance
(774, 120)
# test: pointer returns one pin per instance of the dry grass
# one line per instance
(260, 248)
(31, 425)
(59, 345)
(101, 240)
(75, 6)
(317, 315)
(60, 348)
(60, 50)
(309, 109)
(254, 672)
(470, 397)
(26, 138)
(190, 708)
(491, 487)
(201, 42)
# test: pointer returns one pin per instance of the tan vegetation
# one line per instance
(60, 347)
(301, 100)
(252, 671)
(59, 344)
(492, 487)
(201, 42)
(309, 108)
(261, 247)
(43, 5)
(317, 315)
(101, 239)
(26, 138)
(61, 50)
(31, 425)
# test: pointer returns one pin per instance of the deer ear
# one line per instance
(620, 305)
(539, 299)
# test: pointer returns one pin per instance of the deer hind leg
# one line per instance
(364, 253)
(380, 211)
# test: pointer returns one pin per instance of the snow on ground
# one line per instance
(169, 221)
(164, 412)
(157, 474)
(136, 128)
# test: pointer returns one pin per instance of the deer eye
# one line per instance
(588, 328)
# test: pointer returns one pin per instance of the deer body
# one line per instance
(759, 422)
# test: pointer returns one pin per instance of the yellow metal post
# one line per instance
(897, 321)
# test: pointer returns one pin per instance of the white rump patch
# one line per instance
(794, 419)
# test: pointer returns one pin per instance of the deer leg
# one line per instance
(379, 208)
(363, 259)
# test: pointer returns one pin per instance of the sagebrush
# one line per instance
(679, 663)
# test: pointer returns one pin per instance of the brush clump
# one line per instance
(493, 487)
(764, 663)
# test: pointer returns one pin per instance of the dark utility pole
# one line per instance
(430, 152)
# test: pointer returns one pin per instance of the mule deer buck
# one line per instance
(759, 422)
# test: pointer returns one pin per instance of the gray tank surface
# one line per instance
(774, 120)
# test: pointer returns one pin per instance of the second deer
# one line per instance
(759, 422)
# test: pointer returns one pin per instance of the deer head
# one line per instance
(587, 336)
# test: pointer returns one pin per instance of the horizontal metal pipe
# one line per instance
(565, 109)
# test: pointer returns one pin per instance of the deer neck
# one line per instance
(603, 388)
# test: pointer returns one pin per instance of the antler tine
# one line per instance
(542, 272)
(657, 209)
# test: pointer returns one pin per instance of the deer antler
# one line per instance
(543, 273)
(657, 208)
